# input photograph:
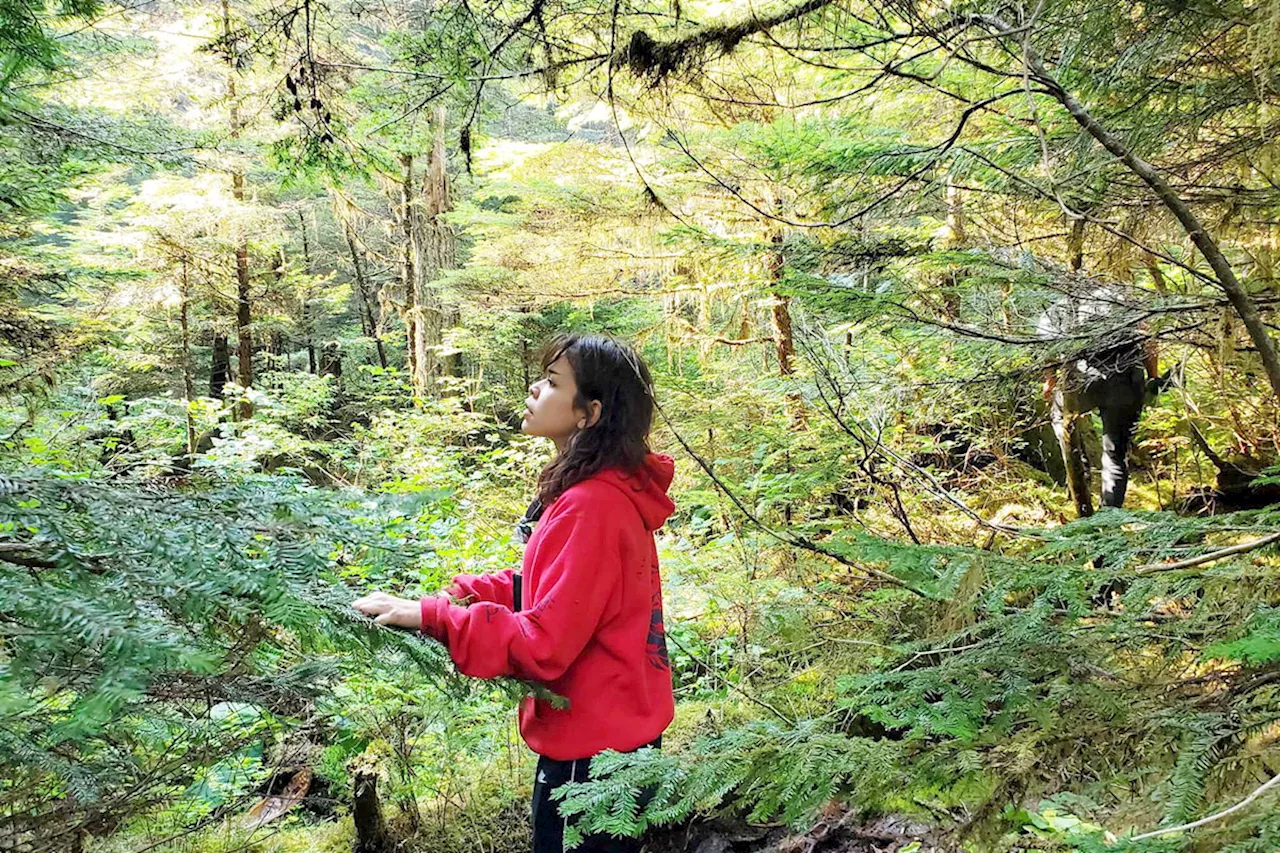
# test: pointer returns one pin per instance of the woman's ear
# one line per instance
(594, 408)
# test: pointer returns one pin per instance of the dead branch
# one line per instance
(1272, 782)
(1212, 556)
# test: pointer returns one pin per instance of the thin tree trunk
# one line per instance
(306, 243)
(955, 234)
(1226, 277)
(437, 250)
(784, 343)
(524, 360)
(308, 322)
(784, 347)
(369, 320)
(331, 360)
(444, 242)
(408, 273)
(426, 319)
(244, 312)
(780, 314)
(1157, 277)
(188, 380)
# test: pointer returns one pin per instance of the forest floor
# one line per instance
(839, 831)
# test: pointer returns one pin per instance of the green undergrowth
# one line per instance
(1052, 690)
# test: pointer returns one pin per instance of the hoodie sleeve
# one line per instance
(579, 564)
(496, 587)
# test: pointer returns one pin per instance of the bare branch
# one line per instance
(1258, 792)
(1211, 557)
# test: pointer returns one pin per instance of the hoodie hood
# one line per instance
(647, 488)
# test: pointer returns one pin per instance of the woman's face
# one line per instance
(549, 409)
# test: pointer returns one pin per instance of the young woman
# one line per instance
(584, 617)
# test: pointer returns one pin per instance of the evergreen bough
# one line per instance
(130, 617)
(1054, 671)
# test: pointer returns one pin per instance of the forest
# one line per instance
(962, 317)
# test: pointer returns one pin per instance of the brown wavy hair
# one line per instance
(610, 371)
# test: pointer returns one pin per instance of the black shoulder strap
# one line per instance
(524, 527)
(516, 583)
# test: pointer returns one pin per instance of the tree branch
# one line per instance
(652, 60)
(1212, 556)
(1272, 782)
(1195, 229)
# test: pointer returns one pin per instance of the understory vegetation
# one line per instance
(274, 280)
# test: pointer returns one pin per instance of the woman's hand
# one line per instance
(391, 611)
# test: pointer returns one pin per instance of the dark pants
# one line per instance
(1118, 395)
(548, 825)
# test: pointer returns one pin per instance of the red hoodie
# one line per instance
(591, 628)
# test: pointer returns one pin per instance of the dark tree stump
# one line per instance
(366, 813)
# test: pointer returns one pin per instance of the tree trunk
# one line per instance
(1157, 277)
(369, 320)
(275, 349)
(784, 343)
(244, 335)
(524, 361)
(188, 379)
(442, 238)
(308, 322)
(780, 314)
(437, 250)
(450, 363)
(306, 243)
(244, 312)
(408, 272)
(784, 347)
(220, 367)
